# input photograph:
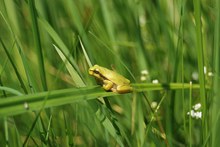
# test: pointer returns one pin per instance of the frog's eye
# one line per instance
(96, 71)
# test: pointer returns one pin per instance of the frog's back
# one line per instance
(115, 77)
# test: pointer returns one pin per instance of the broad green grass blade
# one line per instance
(26, 103)
(216, 84)
(200, 53)
(36, 36)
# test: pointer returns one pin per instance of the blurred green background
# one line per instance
(50, 45)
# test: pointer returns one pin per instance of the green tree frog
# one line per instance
(110, 80)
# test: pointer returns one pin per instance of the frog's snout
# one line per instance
(91, 72)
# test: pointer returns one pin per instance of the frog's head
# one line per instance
(95, 71)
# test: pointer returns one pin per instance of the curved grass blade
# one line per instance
(13, 91)
(75, 76)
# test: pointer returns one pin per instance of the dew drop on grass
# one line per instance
(26, 106)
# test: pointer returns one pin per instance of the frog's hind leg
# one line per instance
(107, 85)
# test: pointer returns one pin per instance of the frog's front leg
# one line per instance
(124, 89)
(107, 85)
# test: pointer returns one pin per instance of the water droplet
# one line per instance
(26, 106)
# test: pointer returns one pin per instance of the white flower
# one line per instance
(194, 113)
(197, 106)
(210, 74)
(143, 78)
(198, 115)
(155, 81)
(144, 72)
(195, 76)
(154, 105)
(144, 75)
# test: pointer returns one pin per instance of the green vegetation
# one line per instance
(168, 49)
